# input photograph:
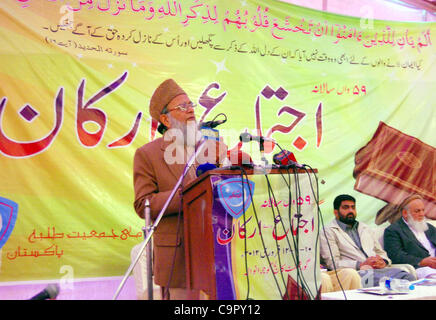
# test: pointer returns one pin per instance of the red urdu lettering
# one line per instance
(209, 102)
(19, 149)
(129, 137)
(85, 113)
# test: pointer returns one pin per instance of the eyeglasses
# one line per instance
(182, 107)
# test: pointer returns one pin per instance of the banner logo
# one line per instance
(8, 216)
(234, 198)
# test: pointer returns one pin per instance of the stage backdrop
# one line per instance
(76, 78)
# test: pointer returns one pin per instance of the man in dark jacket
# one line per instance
(411, 239)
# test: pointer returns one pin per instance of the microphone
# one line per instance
(211, 124)
(239, 158)
(247, 137)
(50, 292)
(207, 129)
(202, 168)
(286, 158)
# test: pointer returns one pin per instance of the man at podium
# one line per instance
(157, 168)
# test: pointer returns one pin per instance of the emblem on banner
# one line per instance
(8, 216)
(234, 198)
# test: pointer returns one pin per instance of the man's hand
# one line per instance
(375, 262)
(367, 264)
(428, 262)
(379, 263)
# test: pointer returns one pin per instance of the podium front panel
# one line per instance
(264, 237)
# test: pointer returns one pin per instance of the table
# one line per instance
(419, 293)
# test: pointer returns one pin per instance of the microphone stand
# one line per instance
(159, 217)
(149, 252)
(262, 150)
(263, 169)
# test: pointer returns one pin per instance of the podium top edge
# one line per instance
(238, 172)
(225, 171)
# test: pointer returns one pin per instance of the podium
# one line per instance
(250, 236)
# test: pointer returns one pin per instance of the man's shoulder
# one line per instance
(364, 227)
(332, 225)
(151, 146)
(398, 229)
(432, 225)
(399, 224)
(363, 224)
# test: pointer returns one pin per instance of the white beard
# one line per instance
(420, 226)
(189, 131)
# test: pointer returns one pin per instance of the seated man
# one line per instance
(347, 243)
(411, 239)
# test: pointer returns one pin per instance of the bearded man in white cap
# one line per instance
(411, 239)
(157, 167)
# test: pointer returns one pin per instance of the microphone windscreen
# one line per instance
(284, 157)
(239, 158)
(202, 168)
(52, 290)
(245, 137)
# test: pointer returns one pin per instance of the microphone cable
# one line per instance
(316, 197)
(178, 237)
(270, 192)
(213, 120)
(295, 238)
(219, 114)
(167, 288)
(298, 208)
(300, 276)
(298, 196)
(266, 251)
(323, 227)
(272, 198)
(243, 172)
(245, 234)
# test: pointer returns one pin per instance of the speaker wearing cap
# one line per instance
(154, 179)
(160, 103)
(155, 174)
